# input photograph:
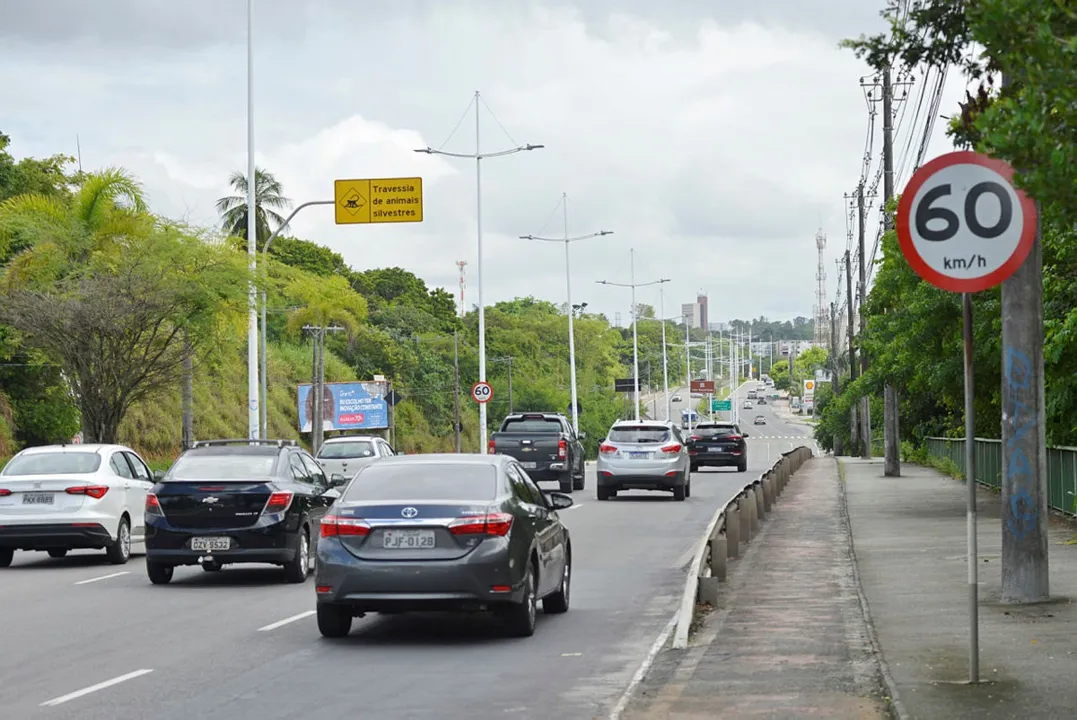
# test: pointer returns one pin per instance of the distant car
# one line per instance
(346, 455)
(676, 398)
(58, 498)
(443, 532)
(760, 420)
(718, 444)
(748, 405)
(237, 501)
(644, 455)
(761, 401)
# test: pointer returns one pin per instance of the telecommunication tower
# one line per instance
(462, 264)
(822, 314)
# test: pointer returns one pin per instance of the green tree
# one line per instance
(269, 199)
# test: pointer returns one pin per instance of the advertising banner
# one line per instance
(347, 406)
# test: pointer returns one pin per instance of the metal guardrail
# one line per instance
(1061, 467)
(733, 524)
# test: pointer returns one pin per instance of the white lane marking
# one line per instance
(94, 688)
(103, 577)
(285, 621)
(648, 660)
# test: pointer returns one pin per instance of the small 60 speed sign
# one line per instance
(962, 224)
(482, 392)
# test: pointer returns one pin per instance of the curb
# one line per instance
(897, 708)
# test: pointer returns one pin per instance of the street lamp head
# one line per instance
(529, 146)
(605, 232)
(427, 150)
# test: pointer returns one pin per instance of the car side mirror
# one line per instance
(158, 475)
(337, 480)
(560, 501)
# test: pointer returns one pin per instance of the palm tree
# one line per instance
(268, 200)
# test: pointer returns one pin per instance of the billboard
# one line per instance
(809, 391)
(702, 386)
(347, 406)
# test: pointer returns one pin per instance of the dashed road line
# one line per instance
(94, 688)
(285, 621)
(103, 577)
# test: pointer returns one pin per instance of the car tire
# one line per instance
(578, 482)
(566, 483)
(118, 552)
(519, 618)
(159, 573)
(58, 553)
(693, 468)
(678, 493)
(743, 467)
(334, 621)
(603, 493)
(6, 556)
(297, 569)
(557, 603)
(688, 489)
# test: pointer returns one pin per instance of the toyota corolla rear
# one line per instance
(223, 507)
(641, 457)
(421, 535)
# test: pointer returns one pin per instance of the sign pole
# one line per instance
(970, 486)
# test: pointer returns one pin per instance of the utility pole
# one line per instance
(891, 429)
(835, 368)
(1025, 577)
(317, 419)
(865, 402)
(456, 387)
(187, 435)
(509, 362)
(854, 435)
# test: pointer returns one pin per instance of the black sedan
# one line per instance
(443, 532)
(718, 444)
(237, 501)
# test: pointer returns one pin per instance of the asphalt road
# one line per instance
(84, 639)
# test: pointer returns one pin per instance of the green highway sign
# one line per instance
(719, 405)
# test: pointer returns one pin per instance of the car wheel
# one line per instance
(566, 483)
(6, 556)
(297, 569)
(334, 621)
(557, 603)
(159, 573)
(688, 489)
(119, 551)
(520, 617)
(212, 566)
(603, 493)
(58, 552)
(693, 468)
(743, 467)
(578, 483)
(678, 493)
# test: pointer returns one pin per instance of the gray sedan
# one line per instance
(443, 532)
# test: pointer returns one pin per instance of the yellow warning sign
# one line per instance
(382, 200)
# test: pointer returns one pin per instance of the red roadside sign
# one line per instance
(962, 224)
(706, 387)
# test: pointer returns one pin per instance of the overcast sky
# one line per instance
(713, 142)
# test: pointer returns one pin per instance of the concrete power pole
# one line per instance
(865, 402)
(854, 435)
(1025, 577)
(835, 371)
(891, 429)
(456, 386)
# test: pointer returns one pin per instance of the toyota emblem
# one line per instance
(409, 512)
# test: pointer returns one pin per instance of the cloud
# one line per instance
(713, 142)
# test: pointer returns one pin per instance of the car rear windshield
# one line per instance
(345, 450)
(716, 431)
(423, 481)
(531, 425)
(641, 434)
(221, 467)
(54, 463)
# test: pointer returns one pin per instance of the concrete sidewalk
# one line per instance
(909, 539)
(788, 638)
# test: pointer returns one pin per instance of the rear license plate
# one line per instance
(211, 543)
(409, 539)
(639, 456)
(37, 499)
(529, 465)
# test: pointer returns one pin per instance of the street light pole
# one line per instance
(478, 156)
(568, 291)
(665, 362)
(635, 337)
(253, 416)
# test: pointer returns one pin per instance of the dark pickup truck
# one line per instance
(545, 446)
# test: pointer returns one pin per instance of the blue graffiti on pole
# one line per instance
(1023, 510)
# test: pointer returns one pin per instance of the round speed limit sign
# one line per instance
(482, 392)
(962, 224)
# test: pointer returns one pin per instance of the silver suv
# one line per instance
(644, 455)
(345, 455)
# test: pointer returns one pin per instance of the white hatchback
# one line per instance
(58, 498)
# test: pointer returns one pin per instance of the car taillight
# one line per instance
(490, 447)
(735, 438)
(497, 524)
(337, 526)
(278, 502)
(153, 505)
(4, 492)
(672, 449)
(95, 491)
(607, 449)
(696, 437)
(562, 448)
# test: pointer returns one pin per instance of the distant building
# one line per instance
(701, 302)
(691, 312)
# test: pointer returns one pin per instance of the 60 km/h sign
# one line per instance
(962, 224)
(482, 392)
